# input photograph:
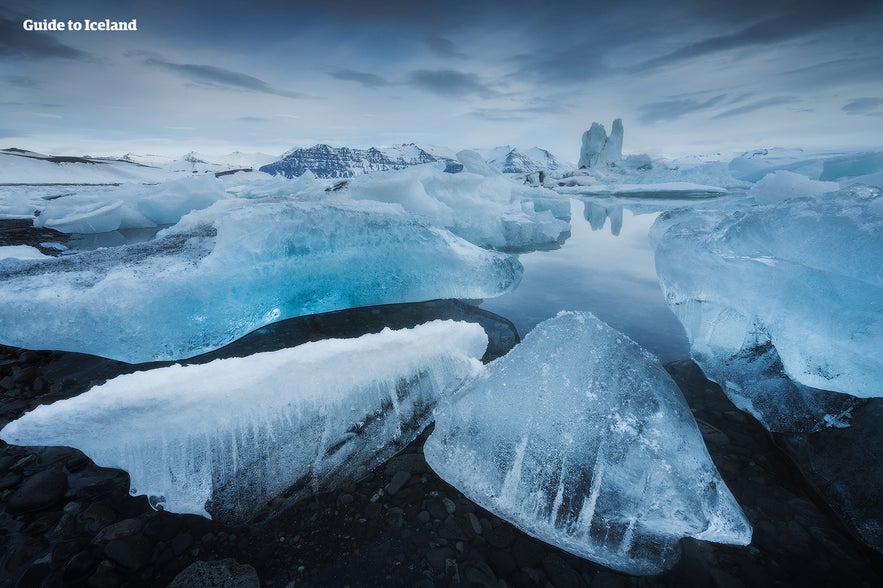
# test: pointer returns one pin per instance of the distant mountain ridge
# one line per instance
(325, 161)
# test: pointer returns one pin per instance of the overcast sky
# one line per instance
(686, 76)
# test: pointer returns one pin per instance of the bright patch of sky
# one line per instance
(686, 76)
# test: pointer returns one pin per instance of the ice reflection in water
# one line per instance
(605, 267)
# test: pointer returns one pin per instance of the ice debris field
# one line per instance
(771, 261)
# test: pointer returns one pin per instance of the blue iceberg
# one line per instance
(236, 266)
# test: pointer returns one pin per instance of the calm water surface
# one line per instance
(607, 270)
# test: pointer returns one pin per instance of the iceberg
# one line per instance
(600, 150)
(782, 303)
(580, 438)
(478, 204)
(845, 168)
(782, 185)
(233, 267)
(223, 438)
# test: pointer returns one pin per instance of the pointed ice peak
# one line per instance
(599, 149)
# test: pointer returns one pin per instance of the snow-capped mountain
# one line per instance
(342, 162)
(510, 160)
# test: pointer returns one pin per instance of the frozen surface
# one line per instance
(21, 252)
(234, 267)
(478, 204)
(793, 288)
(580, 438)
(782, 185)
(311, 417)
(845, 168)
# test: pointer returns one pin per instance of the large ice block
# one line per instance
(238, 265)
(226, 436)
(782, 303)
(580, 438)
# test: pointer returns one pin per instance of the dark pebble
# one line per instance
(560, 574)
(25, 376)
(398, 482)
(9, 480)
(502, 536)
(181, 543)
(527, 552)
(501, 562)
(80, 566)
(395, 517)
(34, 577)
(5, 463)
(105, 576)
(132, 552)
(40, 491)
(437, 557)
(479, 575)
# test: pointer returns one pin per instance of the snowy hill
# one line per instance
(19, 166)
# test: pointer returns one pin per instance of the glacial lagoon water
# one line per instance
(606, 267)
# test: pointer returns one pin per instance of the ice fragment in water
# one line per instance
(580, 438)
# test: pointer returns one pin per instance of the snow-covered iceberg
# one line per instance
(794, 289)
(225, 437)
(233, 267)
(580, 438)
(478, 204)
(845, 168)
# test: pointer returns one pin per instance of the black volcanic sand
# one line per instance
(66, 522)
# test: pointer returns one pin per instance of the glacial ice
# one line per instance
(98, 210)
(580, 438)
(598, 149)
(233, 267)
(782, 185)
(479, 204)
(223, 438)
(793, 288)
(845, 168)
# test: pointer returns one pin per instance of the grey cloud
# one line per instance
(219, 76)
(674, 109)
(848, 70)
(451, 83)
(368, 80)
(757, 105)
(17, 42)
(864, 106)
(443, 47)
(799, 20)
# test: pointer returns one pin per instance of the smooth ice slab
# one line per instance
(580, 438)
(238, 265)
(225, 437)
(790, 289)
